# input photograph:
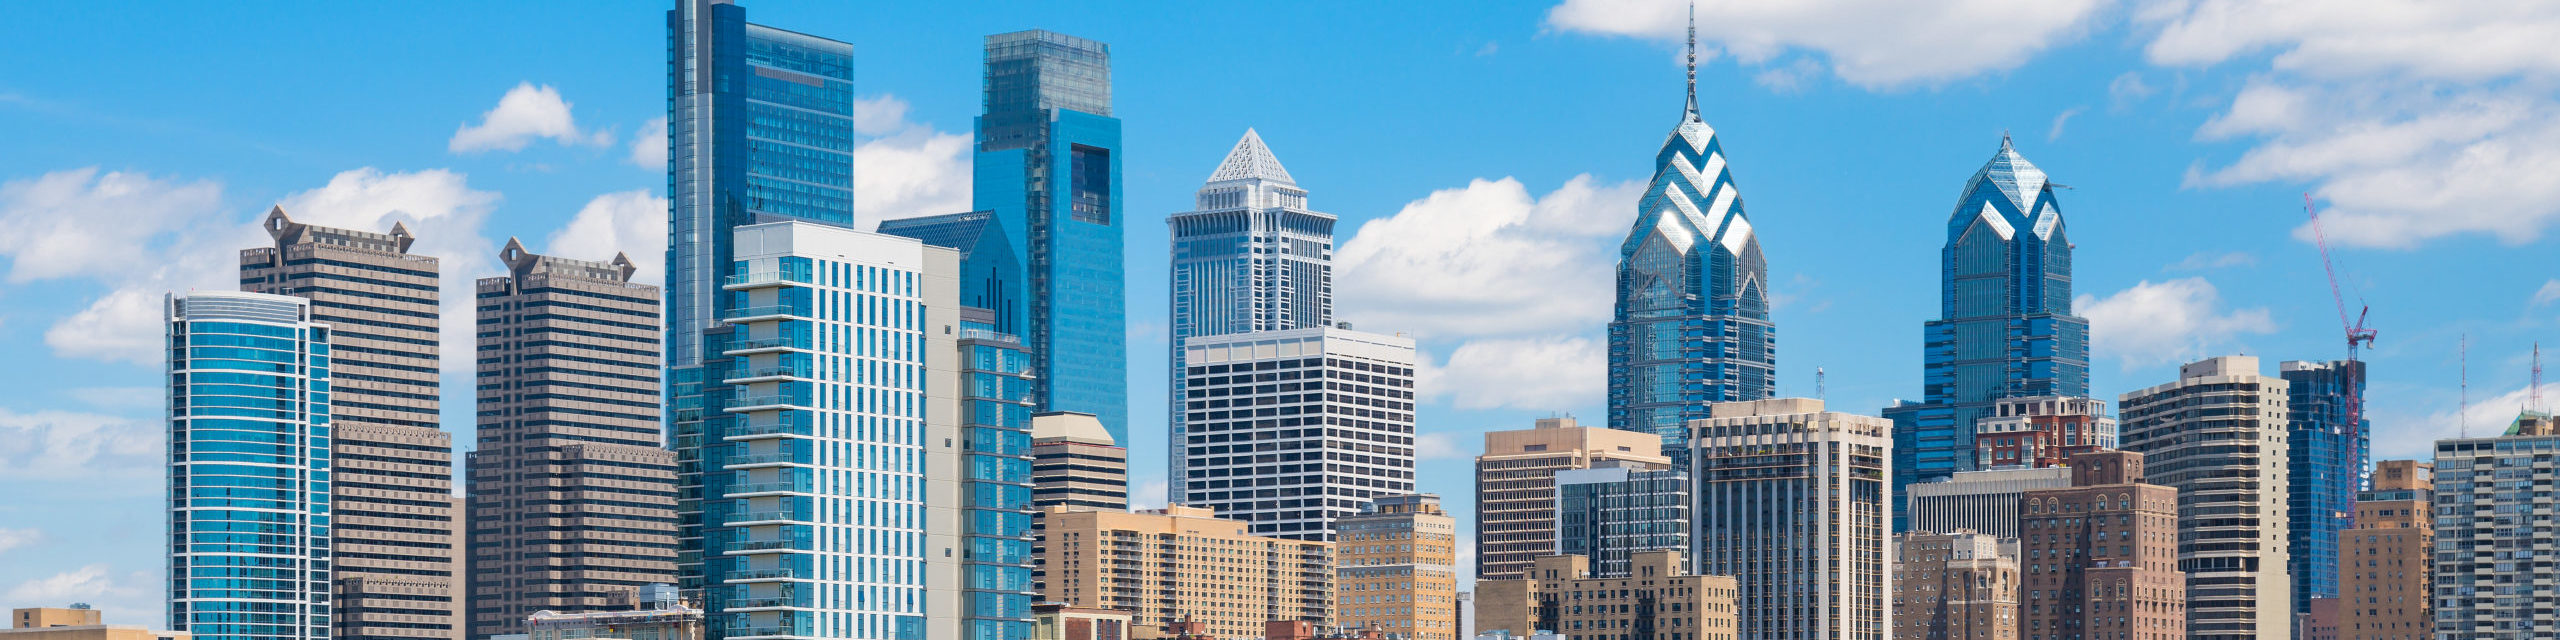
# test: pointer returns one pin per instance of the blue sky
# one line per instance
(1484, 159)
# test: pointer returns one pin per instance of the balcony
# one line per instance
(750, 346)
(759, 575)
(767, 402)
(761, 280)
(785, 428)
(765, 546)
(763, 603)
(764, 312)
(741, 633)
(769, 374)
(745, 490)
(750, 518)
(763, 460)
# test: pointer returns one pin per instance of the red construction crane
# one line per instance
(2358, 336)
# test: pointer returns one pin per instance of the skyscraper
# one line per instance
(1692, 324)
(2494, 548)
(1516, 520)
(2004, 327)
(249, 456)
(1294, 429)
(1608, 514)
(2217, 436)
(2328, 452)
(395, 524)
(573, 498)
(1792, 502)
(1074, 466)
(1251, 258)
(993, 495)
(1048, 168)
(1395, 568)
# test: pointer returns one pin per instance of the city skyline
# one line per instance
(464, 190)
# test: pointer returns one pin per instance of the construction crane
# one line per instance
(2358, 335)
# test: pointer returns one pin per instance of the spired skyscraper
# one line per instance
(1251, 258)
(2005, 328)
(1692, 324)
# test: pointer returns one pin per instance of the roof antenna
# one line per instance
(2462, 414)
(1693, 57)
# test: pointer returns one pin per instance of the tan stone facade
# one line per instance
(2386, 561)
(1954, 586)
(572, 495)
(1184, 562)
(1075, 465)
(1395, 569)
(1516, 486)
(1658, 599)
(395, 526)
(2101, 557)
(49, 623)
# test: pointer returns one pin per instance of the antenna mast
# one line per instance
(1693, 58)
(2533, 397)
(2462, 414)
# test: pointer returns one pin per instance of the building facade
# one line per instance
(1290, 430)
(1252, 257)
(1075, 466)
(2218, 436)
(2386, 562)
(1516, 519)
(2041, 432)
(1793, 502)
(2328, 450)
(994, 482)
(1048, 169)
(2004, 327)
(1960, 585)
(1692, 320)
(572, 491)
(1984, 501)
(1185, 563)
(79, 622)
(1610, 513)
(2101, 557)
(1395, 569)
(2495, 555)
(249, 461)
(1557, 597)
(395, 524)
(1060, 622)
(673, 621)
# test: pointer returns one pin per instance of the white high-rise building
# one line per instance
(1251, 258)
(1793, 502)
(1293, 429)
(249, 461)
(2217, 435)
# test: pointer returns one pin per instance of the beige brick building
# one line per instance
(2101, 557)
(1961, 585)
(2386, 561)
(1658, 599)
(395, 526)
(572, 495)
(1516, 485)
(1395, 569)
(1181, 562)
(49, 623)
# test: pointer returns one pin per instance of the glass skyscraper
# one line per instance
(2005, 328)
(1251, 258)
(249, 553)
(1608, 514)
(1048, 168)
(2325, 467)
(1692, 324)
(995, 475)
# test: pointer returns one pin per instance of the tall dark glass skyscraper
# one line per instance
(1048, 168)
(1692, 324)
(2325, 467)
(2005, 328)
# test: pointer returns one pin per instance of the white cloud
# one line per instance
(2127, 89)
(1487, 259)
(14, 538)
(633, 223)
(1438, 446)
(55, 445)
(2058, 119)
(83, 222)
(1545, 373)
(905, 169)
(445, 214)
(122, 600)
(527, 112)
(120, 397)
(649, 147)
(879, 116)
(1890, 43)
(1148, 496)
(2549, 293)
(2203, 260)
(2413, 434)
(2165, 323)
(122, 326)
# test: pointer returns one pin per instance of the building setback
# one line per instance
(1395, 569)
(1294, 429)
(1955, 586)
(249, 459)
(573, 496)
(1984, 501)
(1185, 563)
(2327, 452)
(2495, 552)
(1610, 513)
(395, 526)
(1792, 502)
(1516, 486)
(2386, 562)
(2101, 557)
(1658, 598)
(2218, 436)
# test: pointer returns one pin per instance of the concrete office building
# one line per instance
(1961, 585)
(1290, 430)
(2041, 432)
(1251, 257)
(1793, 502)
(395, 525)
(1074, 466)
(2495, 552)
(1659, 598)
(1185, 563)
(1984, 501)
(2101, 557)
(1395, 569)
(249, 456)
(1516, 485)
(1610, 513)
(2386, 562)
(573, 496)
(2218, 436)
(78, 622)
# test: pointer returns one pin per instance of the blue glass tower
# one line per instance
(759, 129)
(2328, 462)
(1048, 168)
(249, 554)
(1692, 324)
(995, 426)
(2005, 328)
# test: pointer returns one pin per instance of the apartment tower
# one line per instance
(1516, 518)
(573, 496)
(1792, 501)
(1185, 563)
(1294, 429)
(2101, 557)
(1960, 585)
(2218, 435)
(1395, 569)
(992, 484)
(2386, 562)
(2495, 552)
(1658, 598)
(1074, 466)
(395, 526)
(249, 456)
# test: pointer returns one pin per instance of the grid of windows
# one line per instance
(249, 464)
(1290, 430)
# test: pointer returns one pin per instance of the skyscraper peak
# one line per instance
(1251, 160)
(1693, 63)
(2017, 179)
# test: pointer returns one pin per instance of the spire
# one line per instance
(1251, 160)
(1693, 59)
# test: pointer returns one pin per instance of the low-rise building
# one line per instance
(1185, 564)
(1961, 585)
(1054, 621)
(663, 621)
(1659, 598)
(77, 622)
(1395, 569)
